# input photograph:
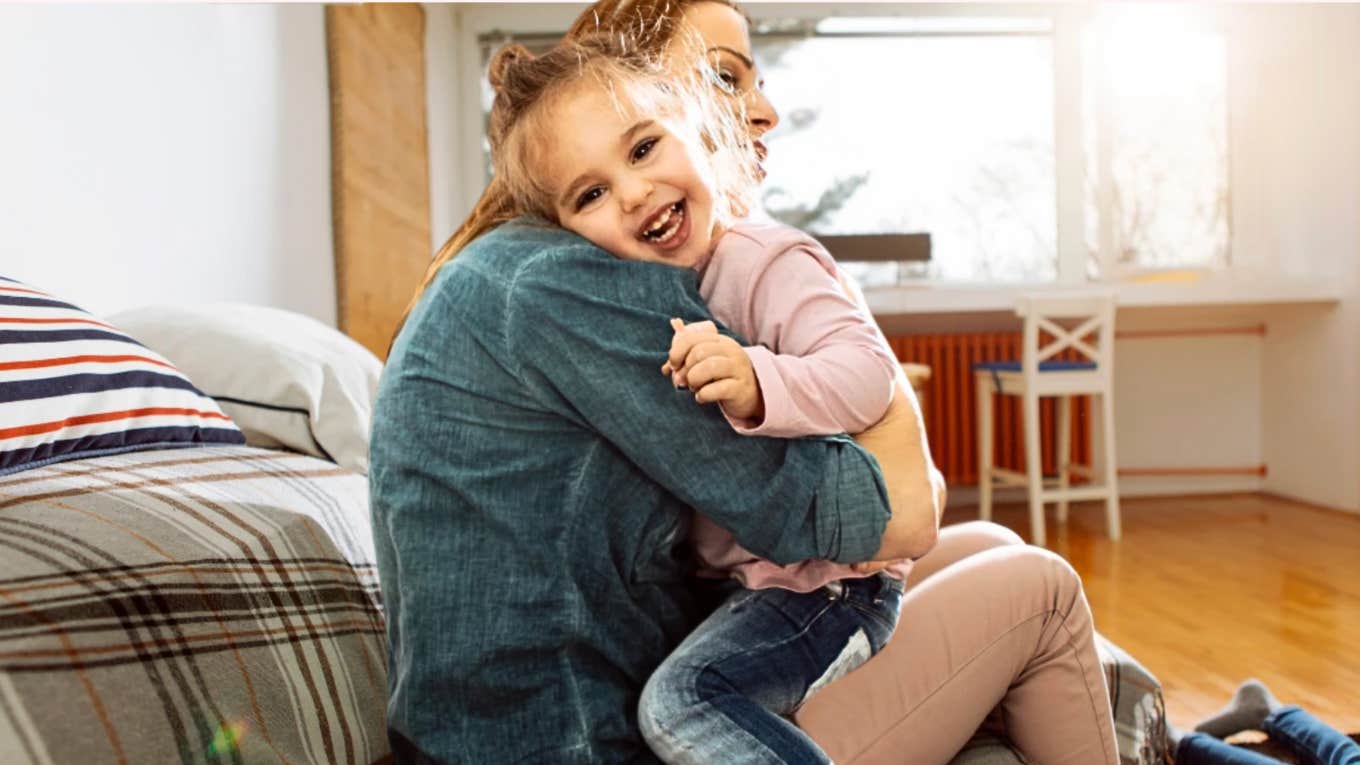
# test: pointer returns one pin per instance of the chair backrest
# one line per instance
(1069, 320)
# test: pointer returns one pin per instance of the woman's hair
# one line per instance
(642, 28)
(650, 24)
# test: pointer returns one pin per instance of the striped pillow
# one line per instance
(72, 386)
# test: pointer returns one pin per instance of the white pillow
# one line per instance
(286, 379)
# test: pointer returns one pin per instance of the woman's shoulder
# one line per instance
(526, 269)
(525, 242)
(523, 254)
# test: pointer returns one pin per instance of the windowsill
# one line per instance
(1219, 289)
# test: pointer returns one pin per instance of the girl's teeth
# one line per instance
(658, 231)
(670, 232)
(660, 221)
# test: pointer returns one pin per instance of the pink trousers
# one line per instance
(991, 630)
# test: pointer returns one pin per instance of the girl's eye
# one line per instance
(644, 148)
(589, 195)
(728, 80)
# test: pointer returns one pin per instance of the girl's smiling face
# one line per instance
(637, 185)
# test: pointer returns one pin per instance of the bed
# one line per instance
(186, 557)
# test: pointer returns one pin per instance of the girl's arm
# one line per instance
(826, 367)
(821, 364)
(818, 362)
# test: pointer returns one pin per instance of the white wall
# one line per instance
(443, 91)
(167, 153)
(1290, 400)
(1306, 83)
(453, 66)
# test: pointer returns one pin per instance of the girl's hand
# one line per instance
(716, 368)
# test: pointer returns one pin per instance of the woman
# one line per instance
(529, 513)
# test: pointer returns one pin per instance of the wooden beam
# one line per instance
(380, 183)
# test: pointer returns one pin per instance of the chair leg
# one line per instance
(1034, 467)
(1064, 456)
(985, 430)
(1112, 522)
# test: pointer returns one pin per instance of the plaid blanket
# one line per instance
(1139, 710)
(214, 604)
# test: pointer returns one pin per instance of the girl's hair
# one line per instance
(641, 28)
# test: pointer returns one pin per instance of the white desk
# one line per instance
(1178, 291)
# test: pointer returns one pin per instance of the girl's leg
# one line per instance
(1203, 749)
(1315, 742)
(1007, 626)
(720, 696)
(958, 542)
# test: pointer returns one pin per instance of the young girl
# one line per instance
(651, 167)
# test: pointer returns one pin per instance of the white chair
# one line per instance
(1038, 374)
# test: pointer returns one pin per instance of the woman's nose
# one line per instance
(760, 113)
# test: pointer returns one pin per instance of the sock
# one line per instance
(1173, 737)
(1246, 711)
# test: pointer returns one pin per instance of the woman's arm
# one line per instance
(916, 489)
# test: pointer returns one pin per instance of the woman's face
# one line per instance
(727, 43)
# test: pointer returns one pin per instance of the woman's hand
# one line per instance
(716, 368)
(874, 566)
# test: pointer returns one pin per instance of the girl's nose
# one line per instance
(633, 192)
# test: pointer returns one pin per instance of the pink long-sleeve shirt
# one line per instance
(823, 366)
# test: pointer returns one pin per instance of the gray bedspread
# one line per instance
(214, 604)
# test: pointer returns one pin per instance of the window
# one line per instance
(901, 125)
(945, 121)
(1156, 148)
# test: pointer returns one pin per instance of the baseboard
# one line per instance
(1310, 503)
(1138, 486)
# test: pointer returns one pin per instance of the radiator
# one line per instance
(950, 408)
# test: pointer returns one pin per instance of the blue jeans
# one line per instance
(1313, 741)
(723, 694)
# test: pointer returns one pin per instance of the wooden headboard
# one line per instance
(380, 183)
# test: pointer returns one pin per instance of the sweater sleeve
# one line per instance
(822, 364)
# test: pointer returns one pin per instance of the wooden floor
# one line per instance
(1207, 591)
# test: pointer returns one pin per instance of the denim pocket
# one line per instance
(881, 603)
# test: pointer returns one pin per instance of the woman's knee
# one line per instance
(985, 534)
(1048, 574)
